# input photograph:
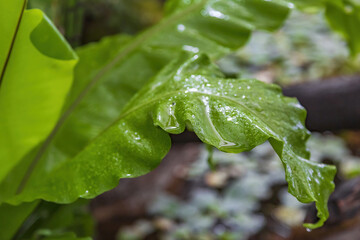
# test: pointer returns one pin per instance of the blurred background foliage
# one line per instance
(245, 192)
(305, 49)
(83, 21)
(51, 221)
(239, 198)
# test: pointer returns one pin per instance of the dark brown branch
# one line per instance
(332, 105)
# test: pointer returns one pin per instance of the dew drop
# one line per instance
(258, 108)
(308, 230)
(180, 28)
(136, 136)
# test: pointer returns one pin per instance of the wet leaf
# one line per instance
(231, 114)
(109, 74)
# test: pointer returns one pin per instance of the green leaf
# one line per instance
(111, 72)
(36, 67)
(12, 18)
(231, 114)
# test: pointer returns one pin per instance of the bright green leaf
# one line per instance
(36, 75)
(9, 21)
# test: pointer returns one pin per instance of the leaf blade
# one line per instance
(35, 84)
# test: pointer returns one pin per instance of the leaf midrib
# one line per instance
(197, 93)
(179, 92)
(121, 56)
(12, 43)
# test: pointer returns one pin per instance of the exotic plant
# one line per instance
(73, 124)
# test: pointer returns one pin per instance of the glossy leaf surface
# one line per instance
(111, 72)
(231, 114)
(124, 65)
(37, 73)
